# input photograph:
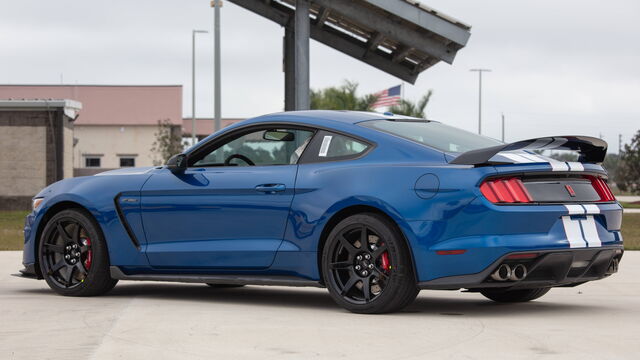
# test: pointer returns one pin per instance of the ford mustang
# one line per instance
(373, 207)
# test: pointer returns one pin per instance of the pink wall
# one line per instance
(110, 105)
(204, 127)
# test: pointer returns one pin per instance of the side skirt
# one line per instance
(272, 280)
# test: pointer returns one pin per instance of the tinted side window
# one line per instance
(263, 147)
(328, 146)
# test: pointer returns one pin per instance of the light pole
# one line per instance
(480, 71)
(216, 4)
(193, 83)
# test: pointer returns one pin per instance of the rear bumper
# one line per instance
(550, 268)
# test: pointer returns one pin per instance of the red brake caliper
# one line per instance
(87, 260)
(386, 265)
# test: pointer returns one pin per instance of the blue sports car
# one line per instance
(373, 207)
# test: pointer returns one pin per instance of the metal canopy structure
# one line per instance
(400, 37)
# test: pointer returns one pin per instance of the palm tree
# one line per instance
(345, 97)
(409, 108)
(341, 97)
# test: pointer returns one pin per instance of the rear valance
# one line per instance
(591, 149)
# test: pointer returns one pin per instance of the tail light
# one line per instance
(505, 190)
(601, 188)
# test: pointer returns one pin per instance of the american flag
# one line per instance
(388, 97)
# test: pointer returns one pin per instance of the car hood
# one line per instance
(127, 171)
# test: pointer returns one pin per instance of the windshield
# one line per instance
(434, 134)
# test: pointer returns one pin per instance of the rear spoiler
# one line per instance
(591, 149)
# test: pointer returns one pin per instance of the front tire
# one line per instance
(73, 255)
(367, 267)
(514, 296)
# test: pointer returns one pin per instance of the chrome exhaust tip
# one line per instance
(503, 273)
(518, 272)
(613, 267)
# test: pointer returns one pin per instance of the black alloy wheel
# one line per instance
(73, 256)
(367, 266)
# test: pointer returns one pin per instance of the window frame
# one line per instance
(120, 158)
(234, 134)
(92, 157)
(311, 152)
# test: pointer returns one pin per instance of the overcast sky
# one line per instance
(559, 67)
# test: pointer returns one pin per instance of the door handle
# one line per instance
(271, 188)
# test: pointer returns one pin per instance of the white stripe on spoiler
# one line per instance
(523, 157)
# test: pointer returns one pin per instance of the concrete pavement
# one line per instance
(628, 198)
(146, 320)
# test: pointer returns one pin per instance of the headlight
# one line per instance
(36, 202)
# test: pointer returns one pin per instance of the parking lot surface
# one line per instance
(146, 320)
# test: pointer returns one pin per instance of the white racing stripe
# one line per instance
(517, 158)
(558, 165)
(590, 232)
(591, 209)
(539, 143)
(533, 158)
(575, 166)
(575, 209)
(573, 232)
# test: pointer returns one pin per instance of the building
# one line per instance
(36, 147)
(118, 124)
(204, 126)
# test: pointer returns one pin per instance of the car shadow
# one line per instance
(456, 304)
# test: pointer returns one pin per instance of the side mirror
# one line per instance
(177, 163)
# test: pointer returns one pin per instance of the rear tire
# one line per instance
(367, 266)
(513, 296)
(73, 255)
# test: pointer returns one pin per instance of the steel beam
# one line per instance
(288, 61)
(338, 41)
(390, 28)
(452, 30)
(301, 36)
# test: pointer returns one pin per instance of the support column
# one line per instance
(288, 62)
(301, 38)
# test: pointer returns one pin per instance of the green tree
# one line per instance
(628, 172)
(343, 97)
(168, 142)
(409, 108)
(610, 163)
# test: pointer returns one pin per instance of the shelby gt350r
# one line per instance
(372, 206)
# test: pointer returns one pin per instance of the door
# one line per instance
(229, 209)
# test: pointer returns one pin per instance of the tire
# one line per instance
(74, 233)
(514, 296)
(373, 284)
(225, 286)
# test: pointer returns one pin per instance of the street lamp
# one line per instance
(480, 71)
(193, 83)
(216, 5)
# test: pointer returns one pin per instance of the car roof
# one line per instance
(343, 116)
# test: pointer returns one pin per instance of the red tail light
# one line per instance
(505, 190)
(601, 188)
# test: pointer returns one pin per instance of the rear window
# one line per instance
(434, 134)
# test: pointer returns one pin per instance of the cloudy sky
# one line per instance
(559, 67)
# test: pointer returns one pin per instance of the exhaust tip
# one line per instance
(518, 272)
(503, 273)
